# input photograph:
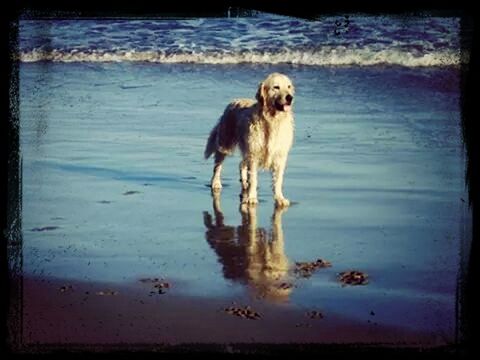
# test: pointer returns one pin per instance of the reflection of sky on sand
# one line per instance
(376, 170)
(250, 254)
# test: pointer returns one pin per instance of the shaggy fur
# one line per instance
(263, 130)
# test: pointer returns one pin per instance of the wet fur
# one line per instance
(263, 130)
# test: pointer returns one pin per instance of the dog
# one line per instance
(263, 130)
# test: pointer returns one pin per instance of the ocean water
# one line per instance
(260, 39)
(115, 114)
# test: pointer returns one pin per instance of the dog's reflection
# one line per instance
(251, 255)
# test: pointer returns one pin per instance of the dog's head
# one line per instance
(275, 93)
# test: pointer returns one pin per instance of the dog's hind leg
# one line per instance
(217, 170)
(251, 198)
(244, 174)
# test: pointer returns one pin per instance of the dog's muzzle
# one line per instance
(286, 106)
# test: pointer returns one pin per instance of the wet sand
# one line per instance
(80, 318)
(115, 189)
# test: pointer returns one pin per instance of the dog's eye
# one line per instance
(276, 87)
(289, 86)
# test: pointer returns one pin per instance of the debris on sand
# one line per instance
(353, 277)
(314, 314)
(245, 312)
(306, 269)
(107, 293)
(160, 285)
(65, 288)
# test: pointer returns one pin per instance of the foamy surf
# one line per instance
(326, 56)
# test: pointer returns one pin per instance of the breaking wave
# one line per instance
(327, 56)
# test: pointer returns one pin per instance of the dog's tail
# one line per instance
(211, 143)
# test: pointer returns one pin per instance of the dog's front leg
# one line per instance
(251, 197)
(278, 170)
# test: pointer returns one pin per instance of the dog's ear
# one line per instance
(261, 94)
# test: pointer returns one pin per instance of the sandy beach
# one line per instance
(124, 245)
(59, 313)
(115, 190)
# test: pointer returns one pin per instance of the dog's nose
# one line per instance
(289, 98)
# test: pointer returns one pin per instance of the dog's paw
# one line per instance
(216, 186)
(282, 202)
(250, 200)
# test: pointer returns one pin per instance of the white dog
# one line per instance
(263, 130)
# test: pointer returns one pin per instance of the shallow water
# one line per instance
(112, 156)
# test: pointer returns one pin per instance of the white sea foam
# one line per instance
(327, 56)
